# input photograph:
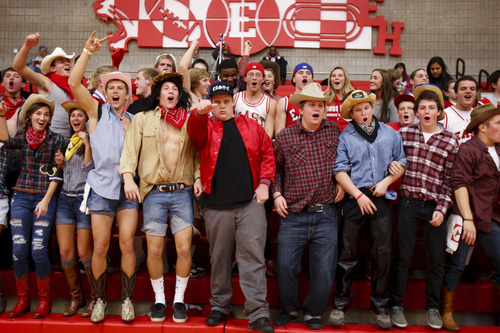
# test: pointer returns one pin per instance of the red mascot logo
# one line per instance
(283, 23)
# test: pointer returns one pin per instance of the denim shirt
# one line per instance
(107, 143)
(367, 163)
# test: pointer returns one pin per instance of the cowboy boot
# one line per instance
(447, 310)
(23, 293)
(45, 302)
(99, 288)
(3, 300)
(74, 279)
(90, 307)
(128, 284)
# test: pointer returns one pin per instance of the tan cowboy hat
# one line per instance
(35, 99)
(311, 92)
(356, 97)
(268, 64)
(70, 105)
(480, 114)
(419, 89)
(57, 53)
(125, 77)
(163, 76)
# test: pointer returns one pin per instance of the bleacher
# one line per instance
(481, 296)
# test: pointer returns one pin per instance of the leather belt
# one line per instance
(73, 194)
(27, 190)
(317, 208)
(169, 187)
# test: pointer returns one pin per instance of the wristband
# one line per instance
(87, 51)
(247, 50)
(276, 197)
(359, 196)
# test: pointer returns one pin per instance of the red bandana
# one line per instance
(61, 82)
(12, 106)
(176, 117)
(35, 139)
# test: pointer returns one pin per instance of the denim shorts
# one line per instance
(68, 211)
(102, 206)
(157, 206)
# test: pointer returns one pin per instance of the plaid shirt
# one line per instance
(304, 164)
(4, 192)
(33, 159)
(429, 166)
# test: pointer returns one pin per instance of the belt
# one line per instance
(317, 208)
(73, 194)
(27, 190)
(169, 187)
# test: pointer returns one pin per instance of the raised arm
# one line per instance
(41, 82)
(184, 70)
(88, 103)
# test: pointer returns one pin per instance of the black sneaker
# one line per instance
(262, 325)
(158, 312)
(284, 319)
(215, 318)
(315, 324)
(180, 314)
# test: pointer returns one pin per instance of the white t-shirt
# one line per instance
(492, 151)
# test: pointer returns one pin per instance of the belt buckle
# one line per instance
(71, 195)
(162, 188)
(319, 208)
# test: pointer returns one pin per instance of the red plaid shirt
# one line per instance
(429, 166)
(33, 159)
(304, 164)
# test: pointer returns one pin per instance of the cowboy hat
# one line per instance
(71, 105)
(125, 77)
(356, 97)
(311, 92)
(57, 53)
(272, 65)
(163, 76)
(480, 114)
(35, 99)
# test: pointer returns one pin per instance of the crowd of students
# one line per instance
(85, 159)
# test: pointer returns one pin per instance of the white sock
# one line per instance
(158, 289)
(180, 287)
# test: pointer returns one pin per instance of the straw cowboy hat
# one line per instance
(419, 89)
(311, 92)
(35, 99)
(356, 97)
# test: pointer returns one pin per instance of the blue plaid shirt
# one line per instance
(34, 159)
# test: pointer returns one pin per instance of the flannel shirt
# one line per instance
(33, 159)
(429, 166)
(4, 191)
(304, 164)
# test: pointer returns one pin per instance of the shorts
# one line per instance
(102, 206)
(4, 212)
(68, 211)
(157, 206)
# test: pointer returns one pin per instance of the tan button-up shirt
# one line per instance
(144, 138)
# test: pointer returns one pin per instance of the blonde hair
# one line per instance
(347, 84)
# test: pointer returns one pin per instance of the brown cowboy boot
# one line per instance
(23, 293)
(3, 300)
(90, 307)
(447, 310)
(128, 284)
(45, 301)
(99, 288)
(74, 279)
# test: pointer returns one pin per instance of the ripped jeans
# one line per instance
(30, 232)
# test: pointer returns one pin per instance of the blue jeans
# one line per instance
(27, 229)
(157, 206)
(489, 241)
(320, 231)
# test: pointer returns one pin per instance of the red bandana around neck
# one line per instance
(12, 106)
(176, 117)
(34, 139)
(61, 82)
